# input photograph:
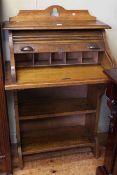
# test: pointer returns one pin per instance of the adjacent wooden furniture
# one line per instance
(5, 159)
(57, 58)
(110, 162)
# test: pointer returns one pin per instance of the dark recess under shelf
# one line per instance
(42, 108)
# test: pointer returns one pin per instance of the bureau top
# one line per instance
(54, 17)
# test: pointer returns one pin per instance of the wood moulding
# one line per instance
(54, 17)
(60, 14)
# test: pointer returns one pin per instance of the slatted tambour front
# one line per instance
(53, 41)
(55, 35)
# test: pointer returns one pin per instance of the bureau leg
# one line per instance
(96, 151)
(19, 150)
(21, 164)
(95, 148)
(94, 94)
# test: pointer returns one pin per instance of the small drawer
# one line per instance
(58, 47)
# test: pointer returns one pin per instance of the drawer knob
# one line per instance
(93, 46)
(27, 48)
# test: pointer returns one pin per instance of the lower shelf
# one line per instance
(56, 139)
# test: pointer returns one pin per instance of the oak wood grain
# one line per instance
(62, 76)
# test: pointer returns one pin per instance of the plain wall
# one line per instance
(105, 11)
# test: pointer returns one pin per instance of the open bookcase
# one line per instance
(53, 118)
(57, 58)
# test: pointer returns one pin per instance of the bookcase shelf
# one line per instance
(56, 139)
(43, 108)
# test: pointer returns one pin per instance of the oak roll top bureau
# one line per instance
(57, 58)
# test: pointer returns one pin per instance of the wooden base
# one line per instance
(101, 171)
(55, 154)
